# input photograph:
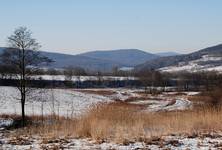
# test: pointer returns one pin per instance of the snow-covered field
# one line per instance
(64, 102)
(70, 102)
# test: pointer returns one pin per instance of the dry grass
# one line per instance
(119, 122)
(97, 92)
(211, 98)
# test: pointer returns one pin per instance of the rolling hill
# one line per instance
(127, 57)
(207, 59)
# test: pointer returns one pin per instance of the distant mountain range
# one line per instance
(124, 57)
(88, 63)
(206, 59)
(100, 60)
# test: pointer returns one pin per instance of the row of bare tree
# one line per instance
(182, 81)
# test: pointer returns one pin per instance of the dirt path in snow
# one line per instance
(164, 105)
(161, 102)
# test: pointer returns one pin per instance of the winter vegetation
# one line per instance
(177, 105)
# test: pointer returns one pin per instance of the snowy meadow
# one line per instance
(110, 118)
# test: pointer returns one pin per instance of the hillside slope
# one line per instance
(205, 59)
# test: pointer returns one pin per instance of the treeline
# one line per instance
(182, 81)
(74, 71)
(72, 84)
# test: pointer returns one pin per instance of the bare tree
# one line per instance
(69, 72)
(78, 72)
(24, 58)
(150, 79)
(115, 71)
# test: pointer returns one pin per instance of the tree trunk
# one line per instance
(23, 109)
(23, 87)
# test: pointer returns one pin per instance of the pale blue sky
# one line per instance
(74, 26)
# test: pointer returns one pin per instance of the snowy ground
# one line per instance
(9, 141)
(175, 142)
(164, 104)
(64, 102)
(5, 123)
(161, 102)
(70, 103)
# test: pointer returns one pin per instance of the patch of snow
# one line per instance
(180, 104)
(5, 122)
(123, 94)
(191, 93)
(217, 68)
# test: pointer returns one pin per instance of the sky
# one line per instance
(76, 26)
